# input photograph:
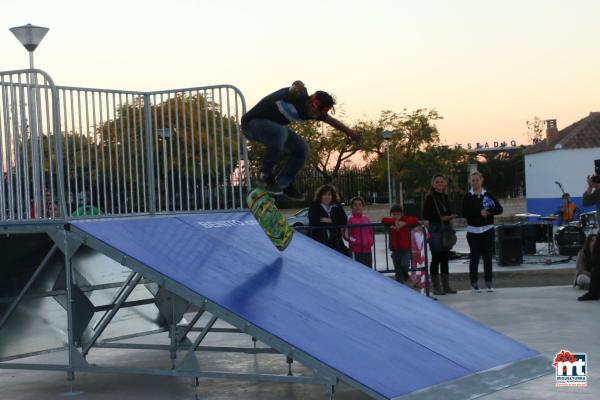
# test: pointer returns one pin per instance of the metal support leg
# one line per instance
(73, 354)
(172, 326)
(189, 360)
(331, 391)
(111, 315)
(115, 298)
(190, 325)
(69, 283)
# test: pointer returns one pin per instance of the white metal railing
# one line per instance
(84, 151)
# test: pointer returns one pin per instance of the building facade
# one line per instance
(564, 158)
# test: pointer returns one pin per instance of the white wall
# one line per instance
(569, 167)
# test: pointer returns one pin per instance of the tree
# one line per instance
(416, 170)
(535, 129)
(329, 148)
(412, 147)
(191, 144)
(504, 173)
(411, 131)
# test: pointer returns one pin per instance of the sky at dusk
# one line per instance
(487, 67)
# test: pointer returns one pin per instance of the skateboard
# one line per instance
(262, 206)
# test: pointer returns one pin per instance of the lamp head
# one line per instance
(29, 35)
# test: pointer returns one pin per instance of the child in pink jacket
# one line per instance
(360, 238)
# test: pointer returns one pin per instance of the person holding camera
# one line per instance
(592, 197)
(479, 208)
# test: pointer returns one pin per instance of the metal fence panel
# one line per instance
(31, 186)
(114, 152)
(197, 146)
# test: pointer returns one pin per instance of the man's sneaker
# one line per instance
(489, 287)
(475, 288)
(588, 296)
(291, 193)
(268, 183)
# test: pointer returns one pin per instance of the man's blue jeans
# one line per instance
(279, 140)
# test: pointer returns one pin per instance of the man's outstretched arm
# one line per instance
(298, 88)
(339, 125)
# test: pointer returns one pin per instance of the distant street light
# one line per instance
(387, 136)
(30, 37)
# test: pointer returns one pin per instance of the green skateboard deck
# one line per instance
(269, 218)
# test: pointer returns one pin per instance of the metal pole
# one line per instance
(70, 302)
(389, 177)
(149, 160)
(401, 188)
(31, 60)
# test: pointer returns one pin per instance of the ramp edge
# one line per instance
(486, 382)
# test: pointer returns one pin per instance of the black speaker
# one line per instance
(509, 241)
(570, 240)
(543, 232)
(529, 236)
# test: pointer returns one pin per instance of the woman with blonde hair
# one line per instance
(437, 211)
(479, 207)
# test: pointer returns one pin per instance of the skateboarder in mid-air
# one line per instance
(266, 123)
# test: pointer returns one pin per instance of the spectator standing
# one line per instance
(400, 226)
(583, 272)
(51, 206)
(360, 238)
(436, 211)
(592, 197)
(479, 208)
(325, 216)
(48, 208)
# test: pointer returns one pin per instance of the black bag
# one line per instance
(448, 234)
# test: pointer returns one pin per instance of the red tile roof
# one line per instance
(584, 133)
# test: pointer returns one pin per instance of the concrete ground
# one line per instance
(545, 318)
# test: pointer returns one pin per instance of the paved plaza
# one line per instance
(547, 319)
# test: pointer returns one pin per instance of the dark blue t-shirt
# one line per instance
(282, 107)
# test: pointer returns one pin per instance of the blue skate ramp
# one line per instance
(377, 335)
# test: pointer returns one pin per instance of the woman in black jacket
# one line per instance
(437, 210)
(479, 208)
(325, 216)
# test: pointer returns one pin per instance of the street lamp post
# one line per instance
(30, 37)
(387, 135)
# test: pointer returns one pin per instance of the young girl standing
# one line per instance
(360, 238)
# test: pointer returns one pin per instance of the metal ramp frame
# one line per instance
(69, 241)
